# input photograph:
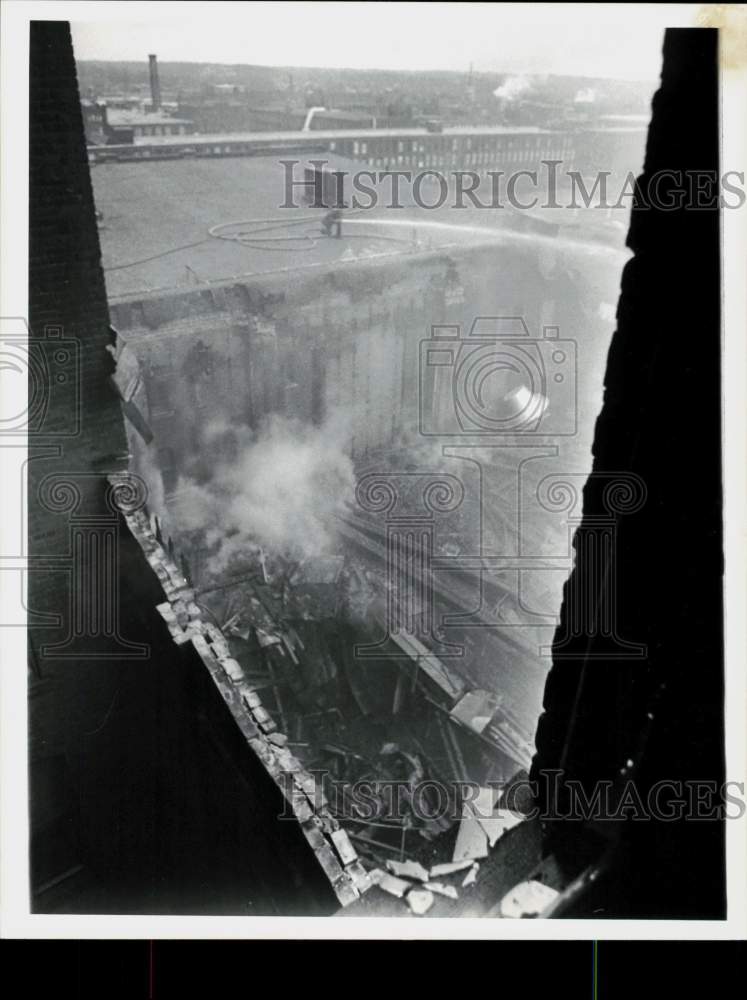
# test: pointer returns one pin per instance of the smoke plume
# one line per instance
(274, 490)
(512, 88)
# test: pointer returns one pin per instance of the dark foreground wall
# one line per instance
(140, 798)
(658, 717)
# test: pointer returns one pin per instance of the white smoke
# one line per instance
(512, 88)
(276, 489)
(585, 96)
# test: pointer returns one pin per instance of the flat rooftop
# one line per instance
(167, 224)
(155, 222)
(125, 116)
(326, 135)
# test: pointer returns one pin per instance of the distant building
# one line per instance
(230, 114)
(478, 149)
(94, 122)
(106, 126)
(144, 123)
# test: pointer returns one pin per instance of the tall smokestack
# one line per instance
(155, 86)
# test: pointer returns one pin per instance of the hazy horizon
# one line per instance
(612, 41)
(287, 67)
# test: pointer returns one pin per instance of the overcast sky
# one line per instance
(613, 40)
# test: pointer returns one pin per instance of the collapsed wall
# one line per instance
(269, 417)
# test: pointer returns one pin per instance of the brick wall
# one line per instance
(658, 717)
(75, 434)
(122, 778)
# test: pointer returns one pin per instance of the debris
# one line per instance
(369, 854)
(420, 901)
(495, 822)
(400, 692)
(343, 847)
(272, 636)
(394, 886)
(341, 751)
(434, 827)
(179, 636)
(247, 727)
(236, 629)
(266, 638)
(408, 869)
(252, 699)
(472, 840)
(501, 821)
(313, 834)
(527, 899)
(504, 734)
(230, 625)
(453, 751)
(328, 861)
(301, 808)
(232, 668)
(471, 877)
(263, 564)
(327, 824)
(476, 709)
(220, 649)
(442, 890)
(447, 680)
(449, 867)
(289, 644)
(376, 875)
(361, 878)
(307, 784)
(370, 842)
(264, 719)
(180, 610)
(346, 890)
(429, 832)
(483, 803)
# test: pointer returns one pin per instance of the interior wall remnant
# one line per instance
(657, 717)
(139, 795)
(78, 679)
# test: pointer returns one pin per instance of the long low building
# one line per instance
(473, 148)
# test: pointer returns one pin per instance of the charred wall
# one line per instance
(138, 796)
(73, 678)
(350, 338)
(660, 717)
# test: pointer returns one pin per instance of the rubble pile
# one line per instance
(417, 886)
(483, 823)
(280, 645)
(330, 843)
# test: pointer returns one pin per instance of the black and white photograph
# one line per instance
(372, 381)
